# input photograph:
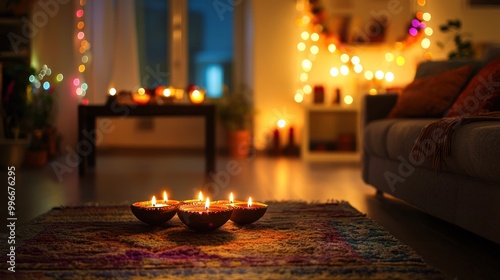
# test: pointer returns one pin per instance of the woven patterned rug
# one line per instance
(292, 241)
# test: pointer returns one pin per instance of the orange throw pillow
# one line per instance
(431, 96)
(480, 95)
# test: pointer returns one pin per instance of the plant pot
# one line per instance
(35, 159)
(238, 143)
(12, 152)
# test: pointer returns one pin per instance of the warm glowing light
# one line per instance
(84, 86)
(85, 59)
(304, 35)
(207, 203)
(196, 96)
(79, 92)
(165, 197)
(231, 198)
(59, 77)
(348, 99)
(79, 13)
(307, 89)
(141, 91)
(167, 92)
(355, 60)
(398, 46)
(298, 97)
(379, 75)
(344, 70)
(315, 37)
(400, 61)
(153, 201)
(421, 2)
(300, 6)
(81, 68)
(428, 55)
(306, 65)
(80, 35)
(344, 58)
(314, 49)
(281, 123)
(82, 49)
(368, 75)
(332, 48)
(112, 91)
(372, 91)
(304, 77)
(306, 19)
(389, 57)
(301, 46)
(249, 201)
(426, 16)
(358, 68)
(80, 25)
(200, 196)
(76, 82)
(428, 31)
(334, 71)
(413, 31)
(389, 77)
(426, 43)
(419, 14)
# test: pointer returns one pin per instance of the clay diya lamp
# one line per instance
(170, 201)
(153, 213)
(246, 213)
(206, 217)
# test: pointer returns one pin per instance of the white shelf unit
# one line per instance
(323, 124)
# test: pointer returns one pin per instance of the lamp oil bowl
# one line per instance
(151, 213)
(246, 213)
(205, 217)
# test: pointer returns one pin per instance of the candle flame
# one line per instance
(153, 201)
(231, 198)
(165, 198)
(207, 203)
(249, 201)
(200, 196)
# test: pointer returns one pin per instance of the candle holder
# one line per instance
(197, 217)
(244, 214)
(228, 202)
(154, 215)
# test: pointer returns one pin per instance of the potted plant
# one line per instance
(41, 115)
(235, 113)
(14, 107)
(463, 46)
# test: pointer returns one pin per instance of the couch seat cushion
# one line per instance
(375, 136)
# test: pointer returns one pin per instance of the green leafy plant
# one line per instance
(235, 110)
(463, 47)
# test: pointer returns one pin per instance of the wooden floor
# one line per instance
(125, 178)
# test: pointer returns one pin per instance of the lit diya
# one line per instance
(247, 213)
(153, 213)
(195, 201)
(204, 217)
(229, 202)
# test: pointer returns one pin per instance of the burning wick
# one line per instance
(207, 204)
(165, 198)
(200, 196)
(153, 201)
(249, 201)
(231, 198)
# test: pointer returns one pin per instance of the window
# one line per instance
(208, 61)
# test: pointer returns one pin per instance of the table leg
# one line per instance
(210, 142)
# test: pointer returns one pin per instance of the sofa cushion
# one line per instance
(479, 94)
(430, 68)
(402, 135)
(431, 96)
(375, 136)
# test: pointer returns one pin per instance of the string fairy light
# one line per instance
(418, 34)
(79, 83)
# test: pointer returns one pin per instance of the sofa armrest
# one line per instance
(377, 107)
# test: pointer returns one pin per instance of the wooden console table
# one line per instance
(87, 115)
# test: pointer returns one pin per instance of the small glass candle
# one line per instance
(141, 97)
(153, 213)
(197, 96)
(248, 212)
(206, 217)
